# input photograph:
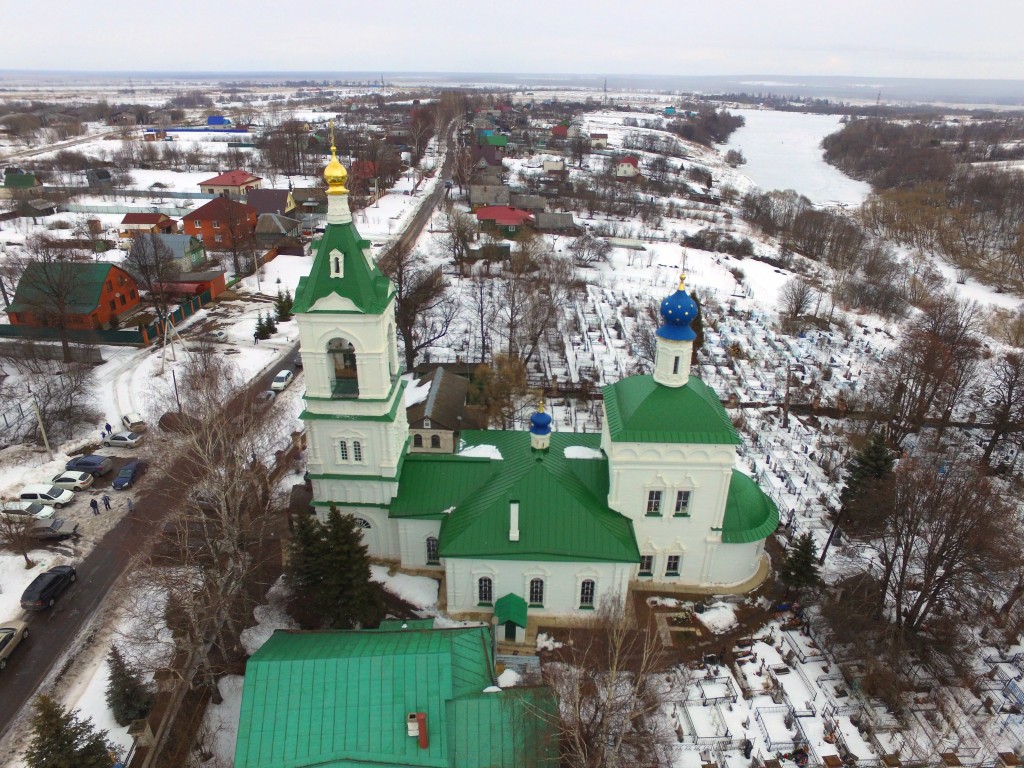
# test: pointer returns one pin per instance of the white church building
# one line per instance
(537, 522)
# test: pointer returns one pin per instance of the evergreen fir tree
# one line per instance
(872, 464)
(263, 326)
(270, 324)
(283, 305)
(799, 569)
(329, 574)
(697, 326)
(128, 695)
(60, 739)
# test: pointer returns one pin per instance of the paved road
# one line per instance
(53, 631)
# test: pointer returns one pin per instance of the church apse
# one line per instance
(344, 374)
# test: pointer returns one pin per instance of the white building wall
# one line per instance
(562, 583)
(412, 537)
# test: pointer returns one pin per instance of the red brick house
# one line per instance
(147, 223)
(560, 132)
(81, 295)
(234, 183)
(221, 222)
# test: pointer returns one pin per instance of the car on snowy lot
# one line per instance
(123, 440)
(44, 590)
(73, 481)
(282, 380)
(47, 494)
(219, 336)
(56, 529)
(133, 422)
(266, 397)
(129, 473)
(11, 634)
(91, 463)
(28, 510)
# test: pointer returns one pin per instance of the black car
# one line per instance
(44, 589)
(91, 463)
(129, 473)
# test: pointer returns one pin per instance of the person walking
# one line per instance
(131, 505)
(95, 507)
(256, 337)
(103, 435)
(110, 429)
(106, 502)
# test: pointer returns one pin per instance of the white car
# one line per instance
(220, 336)
(133, 422)
(26, 509)
(47, 494)
(282, 380)
(73, 481)
(123, 440)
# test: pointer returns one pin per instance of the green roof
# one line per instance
(510, 729)
(365, 285)
(512, 608)
(19, 180)
(42, 282)
(341, 699)
(639, 410)
(563, 510)
(495, 140)
(750, 514)
(432, 484)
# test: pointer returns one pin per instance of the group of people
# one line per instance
(105, 498)
(106, 432)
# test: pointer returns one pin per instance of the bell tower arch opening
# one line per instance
(344, 371)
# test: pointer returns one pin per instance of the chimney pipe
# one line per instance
(513, 523)
(421, 719)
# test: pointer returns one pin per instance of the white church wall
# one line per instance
(375, 353)
(412, 537)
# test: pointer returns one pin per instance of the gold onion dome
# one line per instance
(335, 175)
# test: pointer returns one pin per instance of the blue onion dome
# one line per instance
(540, 422)
(677, 312)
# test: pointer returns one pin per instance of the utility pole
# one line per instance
(39, 421)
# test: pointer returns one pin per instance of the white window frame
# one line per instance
(530, 585)
(668, 565)
(357, 451)
(479, 594)
(657, 500)
(436, 560)
(684, 509)
(343, 449)
(584, 603)
(649, 571)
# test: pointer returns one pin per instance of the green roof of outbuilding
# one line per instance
(750, 514)
(639, 410)
(563, 510)
(432, 484)
(363, 283)
(341, 698)
(512, 608)
(40, 282)
(20, 180)
(508, 729)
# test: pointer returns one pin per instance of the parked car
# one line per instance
(129, 473)
(266, 397)
(47, 494)
(123, 440)
(91, 463)
(73, 481)
(11, 634)
(133, 422)
(282, 380)
(218, 335)
(56, 529)
(42, 593)
(27, 509)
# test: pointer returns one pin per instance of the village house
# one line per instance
(627, 167)
(189, 251)
(272, 201)
(221, 223)
(234, 183)
(95, 294)
(272, 228)
(147, 223)
(599, 141)
(481, 195)
(436, 421)
(503, 220)
(556, 223)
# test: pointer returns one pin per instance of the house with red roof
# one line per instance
(560, 132)
(221, 223)
(147, 223)
(628, 167)
(507, 221)
(235, 183)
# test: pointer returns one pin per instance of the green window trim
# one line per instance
(535, 605)
(586, 607)
(485, 605)
(681, 514)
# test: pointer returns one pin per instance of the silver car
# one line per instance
(11, 634)
(26, 509)
(123, 440)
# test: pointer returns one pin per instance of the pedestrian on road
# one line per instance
(256, 338)
(110, 429)
(95, 507)
(106, 501)
(131, 505)
(103, 435)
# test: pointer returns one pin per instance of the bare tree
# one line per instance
(484, 310)
(16, 535)
(1001, 400)
(460, 232)
(587, 249)
(462, 167)
(48, 286)
(154, 266)
(796, 299)
(424, 306)
(612, 684)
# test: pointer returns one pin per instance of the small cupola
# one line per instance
(335, 175)
(540, 429)
(675, 338)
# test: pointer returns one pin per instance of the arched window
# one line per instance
(485, 590)
(363, 523)
(417, 441)
(432, 558)
(343, 450)
(357, 450)
(587, 593)
(537, 592)
(344, 375)
(435, 441)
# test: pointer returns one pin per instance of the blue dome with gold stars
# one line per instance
(677, 312)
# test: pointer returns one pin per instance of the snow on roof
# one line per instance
(582, 452)
(416, 393)
(483, 452)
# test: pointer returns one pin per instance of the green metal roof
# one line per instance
(519, 723)
(341, 698)
(430, 484)
(41, 282)
(750, 514)
(396, 624)
(20, 180)
(563, 510)
(367, 287)
(512, 608)
(639, 410)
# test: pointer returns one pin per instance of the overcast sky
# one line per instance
(895, 38)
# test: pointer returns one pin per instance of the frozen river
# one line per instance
(783, 152)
